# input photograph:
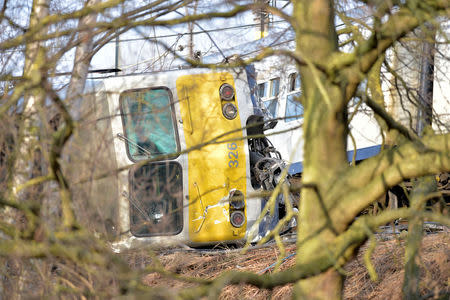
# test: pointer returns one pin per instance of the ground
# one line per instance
(387, 258)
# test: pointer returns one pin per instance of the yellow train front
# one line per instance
(178, 142)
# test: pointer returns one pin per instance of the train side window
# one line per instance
(149, 123)
(274, 87)
(156, 199)
(263, 89)
(294, 109)
(294, 82)
(272, 107)
(268, 94)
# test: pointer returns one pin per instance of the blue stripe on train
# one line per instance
(251, 79)
(361, 154)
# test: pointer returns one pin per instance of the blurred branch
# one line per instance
(375, 175)
(31, 35)
(220, 139)
(34, 181)
(116, 23)
(390, 122)
(423, 187)
(354, 236)
(367, 52)
(60, 138)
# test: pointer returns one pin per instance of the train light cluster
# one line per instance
(229, 111)
(237, 218)
(237, 206)
(226, 92)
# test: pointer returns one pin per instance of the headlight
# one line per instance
(237, 218)
(226, 92)
(229, 111)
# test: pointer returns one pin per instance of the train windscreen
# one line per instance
(156, 199)
(148, 119)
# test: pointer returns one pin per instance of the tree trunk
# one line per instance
(27, 135)
(424, 185)
(325, 133)
(83, 55)
(82, 60)
(27, 142)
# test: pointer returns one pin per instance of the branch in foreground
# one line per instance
(389, 168)
(394, 170)
(60, 138)
(355, 236)
(390, 122)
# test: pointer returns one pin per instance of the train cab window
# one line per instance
(156, 199)
(149, 123)
(275, 87)
(263, 89)
(294, 109)
(268, 93)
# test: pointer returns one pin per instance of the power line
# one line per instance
(173, 34)
(196, 32)
(22, 48)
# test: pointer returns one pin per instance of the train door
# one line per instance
(217, 163)
(155, 181)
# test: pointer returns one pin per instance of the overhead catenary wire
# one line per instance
(208, 31)
(243, 26)
(196, 32)
(179, 35)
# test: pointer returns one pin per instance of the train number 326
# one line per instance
(233, 155)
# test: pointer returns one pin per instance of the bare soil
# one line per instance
(387, 258)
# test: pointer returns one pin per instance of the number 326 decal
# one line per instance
(233, 155)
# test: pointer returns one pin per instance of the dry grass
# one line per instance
(387, 258)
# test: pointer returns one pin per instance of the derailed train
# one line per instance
(178, 157)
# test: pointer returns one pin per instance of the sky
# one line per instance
(138, 51)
